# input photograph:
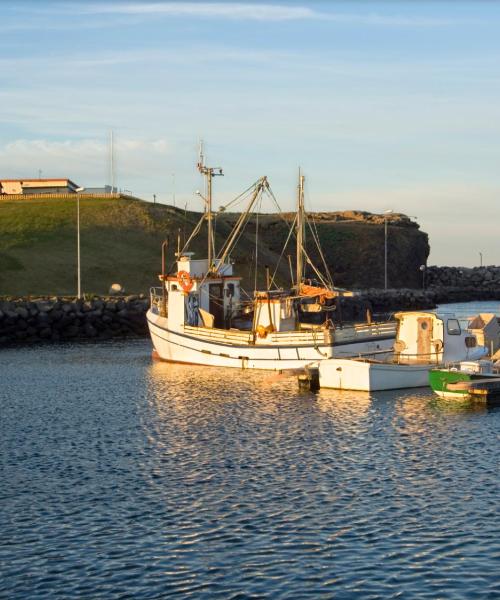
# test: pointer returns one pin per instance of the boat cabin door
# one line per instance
(216, 303)
(424, 338)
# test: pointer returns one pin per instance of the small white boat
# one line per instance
(424, 340)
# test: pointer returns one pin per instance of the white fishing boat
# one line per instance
(199, 315)
(424, 340)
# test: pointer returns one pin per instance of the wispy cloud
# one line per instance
(258, 12)
(79, 158)
(231, 10)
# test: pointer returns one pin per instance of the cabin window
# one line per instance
(173, 287)
(230, 290)
(470, 342)
(453, 327)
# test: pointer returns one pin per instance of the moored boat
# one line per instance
(457, 381)
(423, 341)
(199, 316)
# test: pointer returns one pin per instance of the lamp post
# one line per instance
(480, 259)
(78, 269)
(422, 269)
(386, 212)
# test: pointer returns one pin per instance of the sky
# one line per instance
(383, 105)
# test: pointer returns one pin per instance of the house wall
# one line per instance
(11, 187)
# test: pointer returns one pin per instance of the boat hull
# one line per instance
(352, 374)
(237, 352)
(439, 379)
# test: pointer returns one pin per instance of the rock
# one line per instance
(71, 331)
(90, 331)
(44, 306)
(22, 312)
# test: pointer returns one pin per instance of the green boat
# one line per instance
(440, 379)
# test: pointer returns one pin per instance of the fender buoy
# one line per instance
(399, 346)
(262, 330)
(185, 281)
(438, 345)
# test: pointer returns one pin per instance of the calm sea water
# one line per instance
(124, 478)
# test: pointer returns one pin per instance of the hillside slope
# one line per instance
(121, 239)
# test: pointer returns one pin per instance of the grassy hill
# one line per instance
(121, 240)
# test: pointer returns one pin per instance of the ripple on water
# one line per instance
(122, 477)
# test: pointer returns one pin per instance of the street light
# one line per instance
(386, 212)
(78, 270)
(480, 259)
(422, 269)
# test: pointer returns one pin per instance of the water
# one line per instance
(121, 477)
(466, 309)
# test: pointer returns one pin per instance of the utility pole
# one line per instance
(386, 213)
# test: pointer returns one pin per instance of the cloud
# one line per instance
(85, 160)
(231, 10)
(259, 12)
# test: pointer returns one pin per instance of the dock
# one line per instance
(486, 388)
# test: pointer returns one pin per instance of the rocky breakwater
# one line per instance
(61, 318)
(455, 284)
(383, 302)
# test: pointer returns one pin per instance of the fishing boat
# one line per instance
(424, 340)
(462, 380)
(200, 314)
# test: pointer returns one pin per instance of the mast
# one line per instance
(209, 173)
(300, 232)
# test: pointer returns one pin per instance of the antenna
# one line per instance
(201, 156)
(111, 161)
(173, 189)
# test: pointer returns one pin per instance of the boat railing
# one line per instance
(363, 330)
(219, 335)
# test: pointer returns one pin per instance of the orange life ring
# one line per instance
(185, 281)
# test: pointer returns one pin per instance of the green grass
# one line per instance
(121, 243)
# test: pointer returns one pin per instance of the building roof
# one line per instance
(39, 180)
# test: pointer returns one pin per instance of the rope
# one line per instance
(284, 248)
(315, 236)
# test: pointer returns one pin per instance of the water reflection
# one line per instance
(123, 477)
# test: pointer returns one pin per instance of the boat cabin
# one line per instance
(199, 298)
(426, 337)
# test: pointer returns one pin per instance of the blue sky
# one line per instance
(383, 104)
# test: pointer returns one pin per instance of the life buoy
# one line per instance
(185, 281)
